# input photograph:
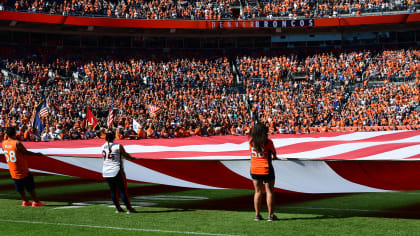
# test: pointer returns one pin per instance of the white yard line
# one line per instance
(67, 207)
(114, 228)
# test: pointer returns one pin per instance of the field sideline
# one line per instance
(82, 207)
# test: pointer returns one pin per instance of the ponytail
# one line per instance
(110, 137)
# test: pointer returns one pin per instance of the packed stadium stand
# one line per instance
(211, 10)
(345, 66)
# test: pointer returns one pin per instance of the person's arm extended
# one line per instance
(274, 152)
(25, 151)
(125, 154)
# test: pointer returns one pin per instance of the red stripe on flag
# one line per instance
(306, 146)
(413, 157)
(392, 136)
(43, 112)
(48, 164)
(200, 172)
(369, 151)
(389, 175)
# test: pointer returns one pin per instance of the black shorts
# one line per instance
(25, 183)
(265, 178)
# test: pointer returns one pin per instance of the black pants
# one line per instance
(118, 184)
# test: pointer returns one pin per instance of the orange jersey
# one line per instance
(18, 166)
(260, 162)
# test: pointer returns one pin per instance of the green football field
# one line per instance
(83, 207)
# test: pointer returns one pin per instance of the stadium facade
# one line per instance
(98, 32)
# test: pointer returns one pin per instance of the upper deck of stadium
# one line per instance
(213, 10)
(207, 18)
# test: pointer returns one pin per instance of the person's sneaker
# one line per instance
(272, 218)
(258, 218)
(119, 211)
(26, 203)
(132, 211)
(38, 204)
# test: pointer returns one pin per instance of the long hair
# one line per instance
(110, 137)
(259, 136)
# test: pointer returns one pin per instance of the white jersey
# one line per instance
(112, 161)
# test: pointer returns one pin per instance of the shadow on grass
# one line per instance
(245, 203)
(307, 218)
(285, 202)
(4, 176)
(39, 184)
(105, 194)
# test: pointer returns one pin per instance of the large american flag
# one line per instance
(110, 117)
(310, 163)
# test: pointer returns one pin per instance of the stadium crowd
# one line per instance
(322, 8)
(345, 67)
(208, 9)
(199, 95)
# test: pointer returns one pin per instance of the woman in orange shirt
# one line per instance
(262, 171)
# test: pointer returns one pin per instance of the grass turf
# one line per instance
(166, 210)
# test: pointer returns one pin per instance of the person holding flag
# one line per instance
(262, 172)
(113, 171)
(15, 154)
